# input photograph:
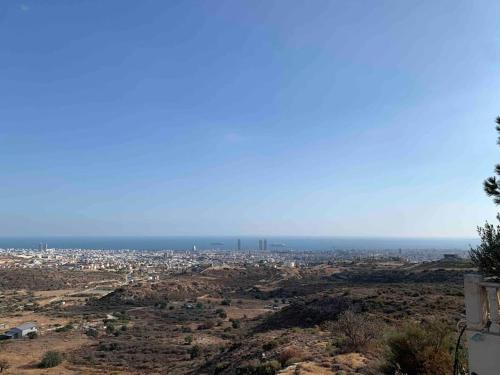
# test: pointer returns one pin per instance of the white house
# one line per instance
(21, 331)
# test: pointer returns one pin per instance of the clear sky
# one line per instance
(247, 117)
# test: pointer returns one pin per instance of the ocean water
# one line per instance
(247, 243)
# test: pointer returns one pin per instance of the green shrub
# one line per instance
(66, 328)
(256, 368)
(221, 313)
(195, 351)
(220, 367)
(269, 345)
(51, 359)
(92, 332)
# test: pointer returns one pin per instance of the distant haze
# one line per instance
(247, 243)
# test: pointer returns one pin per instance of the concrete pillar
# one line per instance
(474, 301)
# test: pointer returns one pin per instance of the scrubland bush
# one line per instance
(420, 349)
(357, 331)
(51, 359)
(220, 367)
(289, 356)
(270, 345)
(195, 351)
(4, 365)
(209, 324)
(92, 332)
(66, 328)
(221, 313)
(257, 368)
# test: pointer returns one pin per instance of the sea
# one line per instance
(183, 243)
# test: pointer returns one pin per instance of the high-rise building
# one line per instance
(265, 244)
(239, 244)
(40, 246)
(260, 244)
(45, 246)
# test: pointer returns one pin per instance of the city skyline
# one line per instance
(247, 118)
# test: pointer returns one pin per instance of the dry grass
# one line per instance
(24, 355)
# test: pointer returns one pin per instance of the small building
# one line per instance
(21, 331)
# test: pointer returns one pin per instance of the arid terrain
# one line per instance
(224, 320)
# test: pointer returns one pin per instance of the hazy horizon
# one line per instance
(326, 118)
(318, 243)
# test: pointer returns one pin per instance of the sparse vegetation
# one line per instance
(275, 320)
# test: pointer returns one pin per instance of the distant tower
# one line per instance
(40, 246)
(194, 247)
(45, 246)
(265, 244)
(260, 244)
(239, 244)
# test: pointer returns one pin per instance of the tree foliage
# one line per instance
(486, 256)
(491, 184)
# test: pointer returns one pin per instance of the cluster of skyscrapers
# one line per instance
(262, 244)
(42, 246)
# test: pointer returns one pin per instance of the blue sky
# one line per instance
(247, 117)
